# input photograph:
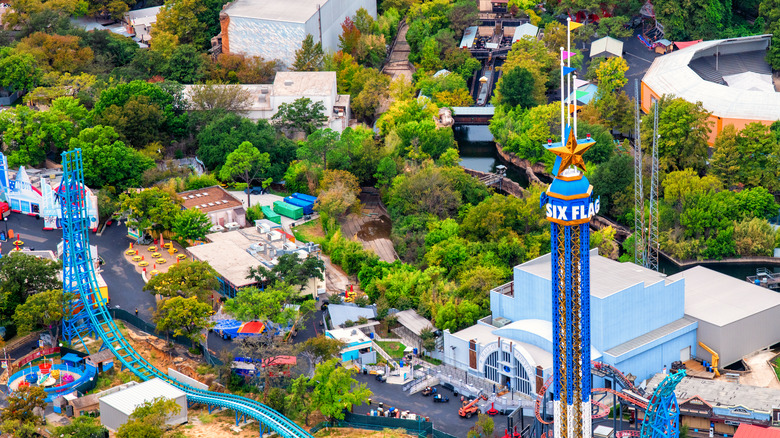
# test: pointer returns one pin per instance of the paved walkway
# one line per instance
(762, 374)
(399, 64)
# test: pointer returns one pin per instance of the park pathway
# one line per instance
(398, 64)
(371, 227)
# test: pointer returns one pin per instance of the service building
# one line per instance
(116, 408)
(275, 29)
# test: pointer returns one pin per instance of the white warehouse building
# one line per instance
(275, 29)
(116, 408)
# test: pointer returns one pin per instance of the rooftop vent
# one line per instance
(261, 99)
(198, 195)
(288, 83)
(205, 194)
(203, 205)
(211, 204)
(264, 90)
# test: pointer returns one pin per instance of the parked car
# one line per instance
(256, 190)
(438, 398)
(428, 390)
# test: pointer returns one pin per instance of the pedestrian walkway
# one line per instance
(398, 64)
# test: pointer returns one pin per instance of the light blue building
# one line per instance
(357, 346)
(638, 325)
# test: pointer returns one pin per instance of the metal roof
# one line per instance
(607, 276)
(720, 299)
(468, 37)
(341, 313)
(721, 392)
(672, 75)
(473, 110)
(525, 29)
(413, 321)
(484, 335)
(127, 400)
(231, 261)
(650, 336)
(296, 11)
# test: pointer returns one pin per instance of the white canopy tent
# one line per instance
(607, 47)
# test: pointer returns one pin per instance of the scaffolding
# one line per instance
(652, 232)
(639, 199)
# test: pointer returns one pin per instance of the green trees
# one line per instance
(148, 420)
(525, 132)
(611, 75)
(318, 145)
(107, 161)
(29, 135)
(22, 275)
(245, 163)
(750, 158)
(81, 427)
(516, 88)
(226, 132)
(214, 96)
(151, 209)
(309, 56)
(334, 389)
(290, 269)
(183, 317)
(302, 115)
(44, 309)
(251, 304)
(683, 130)
(191, 224)
(447, 89)
(18, 71)
(19, 418)
(186, 279)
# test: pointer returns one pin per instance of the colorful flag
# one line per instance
(567, 55)
(567, 70)
(573, 25)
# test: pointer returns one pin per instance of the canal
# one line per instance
(478, 152)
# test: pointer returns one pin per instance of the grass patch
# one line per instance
(777, 367)
(204, 369)
(394, 349)
(310, 232)
(206, 418)
(431, 360)
(113, 378)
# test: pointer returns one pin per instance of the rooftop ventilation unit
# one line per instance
(264, 90)
(288, 83)
(197, 194)
(211, 204)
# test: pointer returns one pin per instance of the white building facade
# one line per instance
(275, 29)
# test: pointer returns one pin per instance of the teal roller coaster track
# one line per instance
(93, 316)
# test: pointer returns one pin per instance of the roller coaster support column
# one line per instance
(568, 206)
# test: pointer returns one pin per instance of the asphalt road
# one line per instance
(125, 285)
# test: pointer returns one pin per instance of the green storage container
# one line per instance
(288, 210)
(270, 215)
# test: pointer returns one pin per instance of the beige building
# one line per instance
(222, 208)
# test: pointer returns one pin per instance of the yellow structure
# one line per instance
(715, 358)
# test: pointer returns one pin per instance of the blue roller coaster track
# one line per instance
(79, 278)
(662, 416)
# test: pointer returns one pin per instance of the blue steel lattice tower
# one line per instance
(569, 208)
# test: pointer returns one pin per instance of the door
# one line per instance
(685, 354)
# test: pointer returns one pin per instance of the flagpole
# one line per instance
(563, 124)
(575, 106)
(568, 64)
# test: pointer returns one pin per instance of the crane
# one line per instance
(715, 358)
(471, 408)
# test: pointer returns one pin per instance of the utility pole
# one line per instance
(639, 199)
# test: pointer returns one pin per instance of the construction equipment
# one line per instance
(470, 408)
(715, 358)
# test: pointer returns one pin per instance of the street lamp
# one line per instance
(5, 221)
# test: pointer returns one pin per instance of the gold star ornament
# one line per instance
(571, 152)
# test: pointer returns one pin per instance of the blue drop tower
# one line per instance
(569, 207)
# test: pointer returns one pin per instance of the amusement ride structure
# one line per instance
(569, 207)
(92, 316)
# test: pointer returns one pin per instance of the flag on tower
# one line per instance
(567, 70)
(566, 55)
(573, 25)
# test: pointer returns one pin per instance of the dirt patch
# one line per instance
(342, 432)
(311, 231)
(218, 425)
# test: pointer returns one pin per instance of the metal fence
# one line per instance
(144, 326)
(421, 428)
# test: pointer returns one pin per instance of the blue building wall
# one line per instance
(635, 311)
(615, 319)
(649, 360)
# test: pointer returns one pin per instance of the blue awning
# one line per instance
(70, 357)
